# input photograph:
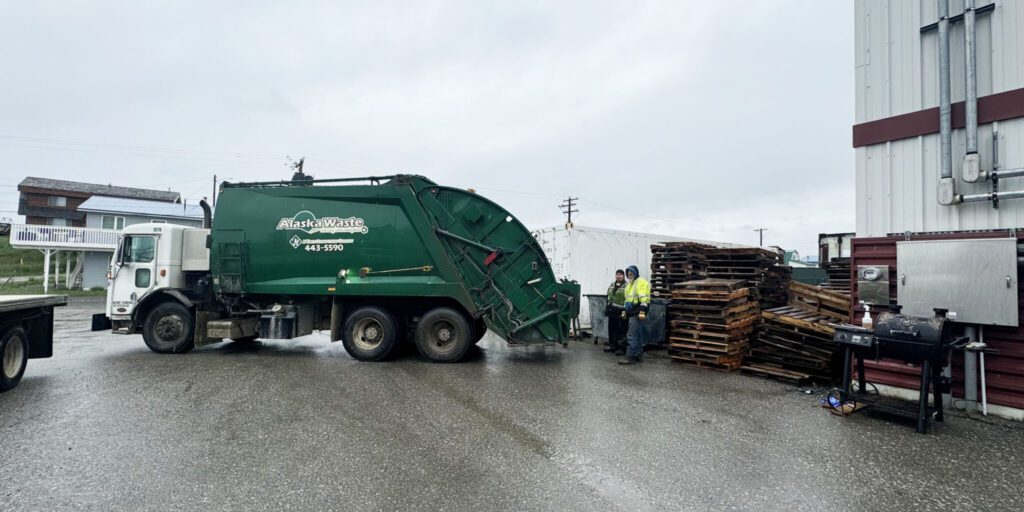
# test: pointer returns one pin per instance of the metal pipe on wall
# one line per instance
(947, 184)
(1009, 173)
(971, 60)
(971, 169)
(1010, 194)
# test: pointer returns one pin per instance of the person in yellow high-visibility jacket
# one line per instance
(638, 301)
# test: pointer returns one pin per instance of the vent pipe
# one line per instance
(971, 170)
(947, 184)
(207, 214)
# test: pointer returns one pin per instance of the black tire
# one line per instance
(443, 335)
(13, 357)
(369, 334)
(168, 329)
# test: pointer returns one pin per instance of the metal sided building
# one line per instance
(939, 140)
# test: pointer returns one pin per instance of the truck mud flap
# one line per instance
(337, 316)
(101, 322)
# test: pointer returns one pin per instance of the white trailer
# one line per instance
(590, 256)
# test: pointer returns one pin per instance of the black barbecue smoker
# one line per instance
(924, 341)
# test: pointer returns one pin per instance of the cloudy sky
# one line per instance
(697, 119)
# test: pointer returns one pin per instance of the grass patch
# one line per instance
(35, 287)
(19, 262)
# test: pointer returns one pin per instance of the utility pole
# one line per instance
(567, 208)
(760, 236)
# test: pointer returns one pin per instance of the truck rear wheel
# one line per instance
(168, 329)
(443, 335)
(369, 334)
(13, 357)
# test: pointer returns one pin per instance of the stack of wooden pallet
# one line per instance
(773, 286)
(761, 268)
(794, 342)
(829, 303)
(676, 262)
(838, 272)
(711, 322)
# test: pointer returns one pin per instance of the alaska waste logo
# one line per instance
(307, 222)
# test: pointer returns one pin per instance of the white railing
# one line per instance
(31, 236)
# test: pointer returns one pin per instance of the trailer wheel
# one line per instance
(443, 335)
(168, 329)
(13, 357)
(369, 334)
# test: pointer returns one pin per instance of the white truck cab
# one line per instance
(152, 259)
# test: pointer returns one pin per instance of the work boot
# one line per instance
(629, 360)
(611, 348)
(620, 352)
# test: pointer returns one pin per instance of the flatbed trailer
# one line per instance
(26, 332)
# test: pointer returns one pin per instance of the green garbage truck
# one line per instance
(375, 261)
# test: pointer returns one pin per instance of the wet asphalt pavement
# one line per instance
(299, 425)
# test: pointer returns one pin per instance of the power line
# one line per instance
(161, 149)
(240, 160)
(535, 194)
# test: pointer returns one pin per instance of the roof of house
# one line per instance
(103, 204)
(97, 189)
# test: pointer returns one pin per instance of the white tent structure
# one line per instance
(590, 255)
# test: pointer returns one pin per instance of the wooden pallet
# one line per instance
(676, 262)
(721, 367)
(828, 303)
(794, 345)
(776, 373)
(735, 347)
(739, 325)
(711, 322)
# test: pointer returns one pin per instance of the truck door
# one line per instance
(134, 269)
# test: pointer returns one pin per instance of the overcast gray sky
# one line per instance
(699, 119)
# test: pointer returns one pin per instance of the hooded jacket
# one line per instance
(638, 292)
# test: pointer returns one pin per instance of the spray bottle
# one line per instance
(867, 322)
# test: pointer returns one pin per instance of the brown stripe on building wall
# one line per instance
(995, 107)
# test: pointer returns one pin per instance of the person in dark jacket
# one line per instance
(616, 305)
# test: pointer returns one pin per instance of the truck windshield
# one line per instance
(139, 249)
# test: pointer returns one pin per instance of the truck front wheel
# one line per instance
(443, 335)
(13, 356)
(369, 334)
(168, 329)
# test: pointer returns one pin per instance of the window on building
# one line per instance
(112, 222)
(60, 201)
(58, 222)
